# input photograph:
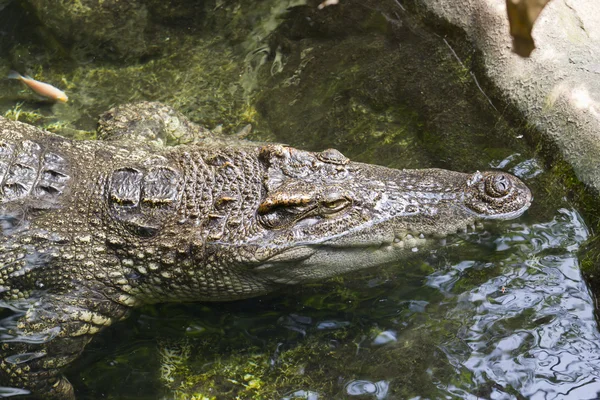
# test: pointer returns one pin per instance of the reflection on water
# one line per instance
(499, 314)
(539, 338)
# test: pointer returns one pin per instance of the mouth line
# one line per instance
(505, 216)
(400, 241)
(406, 238)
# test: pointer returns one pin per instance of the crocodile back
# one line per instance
(31, 174)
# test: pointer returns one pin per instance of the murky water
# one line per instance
(499, 314)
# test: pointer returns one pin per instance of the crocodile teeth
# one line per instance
(409, 241)
(399, 244)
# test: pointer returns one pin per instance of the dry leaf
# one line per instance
(327, 3)
(521, 16)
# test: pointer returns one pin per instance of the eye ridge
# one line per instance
(292, 209)
(269, 205)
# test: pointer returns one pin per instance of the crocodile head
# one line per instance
(323, 215)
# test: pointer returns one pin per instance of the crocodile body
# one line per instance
(90, 229)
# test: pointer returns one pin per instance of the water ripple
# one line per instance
(538, 335)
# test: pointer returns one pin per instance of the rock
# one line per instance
(557, 89)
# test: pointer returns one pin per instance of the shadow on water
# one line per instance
(501, 314)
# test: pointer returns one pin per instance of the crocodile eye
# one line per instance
(335, 205)
(497, 185)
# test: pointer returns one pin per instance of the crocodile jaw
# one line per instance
(362, 249)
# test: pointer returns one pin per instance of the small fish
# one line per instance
(41, 88)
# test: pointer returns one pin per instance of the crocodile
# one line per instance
(162, 210)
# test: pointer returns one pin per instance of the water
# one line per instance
(499, 314)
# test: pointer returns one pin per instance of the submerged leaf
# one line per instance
(521, 16)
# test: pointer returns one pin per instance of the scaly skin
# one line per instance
(90, 229)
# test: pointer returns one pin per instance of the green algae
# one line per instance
(200, 73)
(248, 373)
(29, 117)
(49, 122)
(323, 362)
(111, 28)
(206, 92)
